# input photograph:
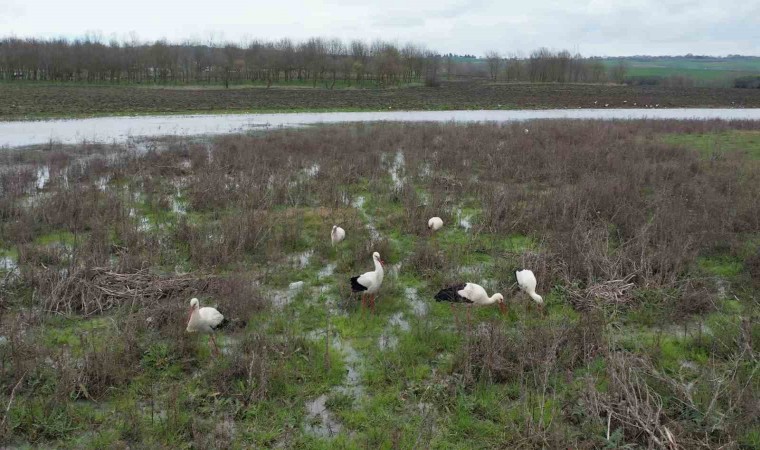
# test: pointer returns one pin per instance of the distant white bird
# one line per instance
(337, 234)
(471, 294)
(205, 320)
(526, 280)
(370, 282)
(526, 131)
(435, 223)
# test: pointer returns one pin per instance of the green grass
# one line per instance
(705, 71)
(701, 76)
(747, 142)
(190, 396)
(726, 267)
(62, 237)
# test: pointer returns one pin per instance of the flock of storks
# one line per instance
(207, 320)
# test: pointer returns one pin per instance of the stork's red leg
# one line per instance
(212, 339)
(454, 313)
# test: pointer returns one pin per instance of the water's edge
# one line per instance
(120, 128)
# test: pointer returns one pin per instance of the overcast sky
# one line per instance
(592, 27)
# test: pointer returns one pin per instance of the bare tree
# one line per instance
(493, 59)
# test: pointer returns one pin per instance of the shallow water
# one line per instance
(120, 129)
(282, 298)
(327, 270)
(319, 420)
(358, 203)
(395, 170)
(419, 307)
(43, 176)
(7, 263)
(302, 259)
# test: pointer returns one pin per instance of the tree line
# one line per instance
(547, 66)
(316, 60)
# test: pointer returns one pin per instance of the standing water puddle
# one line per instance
(359, 204)
(280, 299)
(43, 176)
(465, 221)
(327, 270)
(419, 307)
(7, 263)
(319, 421)
(312, 171)
(123, 129)
(302, 259)
(395, 170)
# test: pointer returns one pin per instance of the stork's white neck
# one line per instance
(537, 298)
(492, 299)
(379, 272)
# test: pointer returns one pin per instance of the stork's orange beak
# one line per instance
(503, 308)
(190, 315)
(382, 263)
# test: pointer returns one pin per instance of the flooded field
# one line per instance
(121, 129)
(648, 270)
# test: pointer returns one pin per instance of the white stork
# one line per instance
(435, 223)
(369, 283)
(471, 294)
(526, 280)
(205, 320)
(337, 234)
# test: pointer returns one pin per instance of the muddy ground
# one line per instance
(21, 101)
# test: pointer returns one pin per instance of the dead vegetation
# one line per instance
(616, 226)
(95, 290)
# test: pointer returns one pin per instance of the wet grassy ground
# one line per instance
(32, 101)
(104, 246)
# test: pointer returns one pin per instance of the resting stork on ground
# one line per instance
(470, 294)
(435, 223)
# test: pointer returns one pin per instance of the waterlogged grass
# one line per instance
(715, 144)
(413, 375)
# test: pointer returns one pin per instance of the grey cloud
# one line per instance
(593, 27)
(398, 20)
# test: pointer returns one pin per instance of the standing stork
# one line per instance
(471, 294)
(526, 280)
(337, 234)
(435, 223)
(369, 283)
(205, 320)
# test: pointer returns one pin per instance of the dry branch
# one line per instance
(94, 290)
(613, 292)
(631, 403)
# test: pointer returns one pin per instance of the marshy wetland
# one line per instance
(644, 237)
